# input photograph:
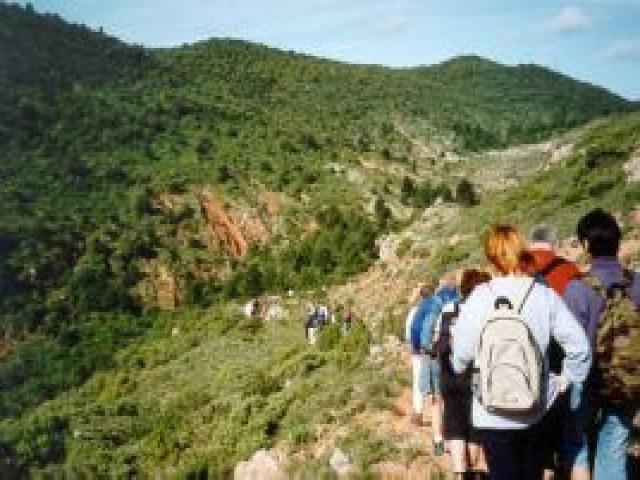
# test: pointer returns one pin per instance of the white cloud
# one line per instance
(570, 19)
(623, 50)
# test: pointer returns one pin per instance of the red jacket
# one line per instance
(558, 277)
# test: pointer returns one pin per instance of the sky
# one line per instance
(593, 40)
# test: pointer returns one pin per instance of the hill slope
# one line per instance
(202, 389)
(106, 155)
(134, 180)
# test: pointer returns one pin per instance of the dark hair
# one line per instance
(601, 232)
(471, 279)
(427, 288)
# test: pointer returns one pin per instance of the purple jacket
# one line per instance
(585, 303)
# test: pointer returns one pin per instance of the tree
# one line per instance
(466, 194)
(407, 190)
(383, 212)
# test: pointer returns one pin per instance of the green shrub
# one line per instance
(329, 337)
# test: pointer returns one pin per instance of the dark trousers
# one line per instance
(513, 454)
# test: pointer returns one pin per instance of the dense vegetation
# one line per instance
(593, 176)
(228, 378)
(96, 135)
(95, 131)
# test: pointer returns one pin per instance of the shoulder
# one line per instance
(569, 267)
(480, 296)
(543, 294)
(580, 286)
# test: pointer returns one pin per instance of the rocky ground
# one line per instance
(391, 423)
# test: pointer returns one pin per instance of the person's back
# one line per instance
(586, 303)
(511, 439)
(545, 315)
(413, 330)
(600, 234)
(556, 271)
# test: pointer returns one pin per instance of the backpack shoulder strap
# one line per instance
(595, 283)
(624, 284)
(524, 295)
(551, 266)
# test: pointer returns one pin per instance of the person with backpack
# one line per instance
(427, 318)
(503, 331)
(606, 301)
(466, 454)
(315, 321)
(418, 357)
(563, 435)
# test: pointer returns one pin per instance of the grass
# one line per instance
(207, 397)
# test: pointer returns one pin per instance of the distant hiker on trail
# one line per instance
(463, 444)
(418, 357)
(503, 331)
(315, 320)
(559, 430)
(606, 302)
(347, 317)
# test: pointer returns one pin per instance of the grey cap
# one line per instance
(543, 233)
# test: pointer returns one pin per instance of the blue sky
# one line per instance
(593, 40)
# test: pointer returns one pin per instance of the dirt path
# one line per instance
(396, 423)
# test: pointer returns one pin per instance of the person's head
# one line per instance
(427, 288)
(543, 236)
(448, 280)
(471, 278)
(599, 232)
(506, 248)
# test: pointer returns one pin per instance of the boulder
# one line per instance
(387, 249)
(341, 463)
(263, 465)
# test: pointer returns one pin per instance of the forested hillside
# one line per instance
(99, 132)
(135, 181)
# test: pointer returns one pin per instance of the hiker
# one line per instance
(313, 324)
(347, 317)
(418, 357)
(323, 312)
(613, 391)
(559, 429)
(427, 316)
(464, 448)
(551, 268)
(503, 330)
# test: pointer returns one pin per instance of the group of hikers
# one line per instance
(317, 316)
(532, 371)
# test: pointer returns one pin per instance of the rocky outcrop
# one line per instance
(160, 287)
(263, 465)
(221, 225)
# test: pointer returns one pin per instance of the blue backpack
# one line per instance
(423, 322)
